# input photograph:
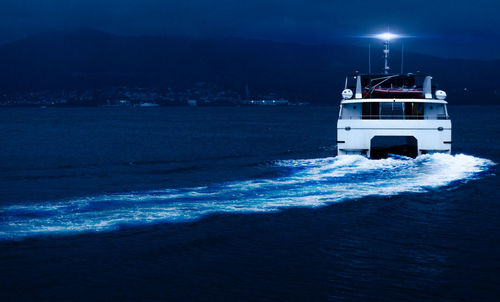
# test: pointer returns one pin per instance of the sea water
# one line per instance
(177, 190)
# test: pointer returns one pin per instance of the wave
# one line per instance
(307, 183)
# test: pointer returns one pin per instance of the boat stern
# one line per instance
(377, 139)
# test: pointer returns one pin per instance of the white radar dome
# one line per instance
(347, 94)
(440, 95)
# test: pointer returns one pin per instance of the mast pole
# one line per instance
(386, 56)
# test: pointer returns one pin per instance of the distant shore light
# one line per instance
(387, 36)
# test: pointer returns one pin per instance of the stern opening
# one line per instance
(383, 146)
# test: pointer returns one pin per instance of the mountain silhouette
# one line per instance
(88, 59)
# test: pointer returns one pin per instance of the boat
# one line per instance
(146, 104)
(384, 114)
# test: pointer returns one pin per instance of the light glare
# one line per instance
(387, 36)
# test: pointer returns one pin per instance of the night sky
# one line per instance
(464, 29)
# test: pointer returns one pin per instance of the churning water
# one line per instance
(306, 183)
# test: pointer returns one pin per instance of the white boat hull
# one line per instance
(355, 136)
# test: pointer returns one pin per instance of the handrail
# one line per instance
(372, 88)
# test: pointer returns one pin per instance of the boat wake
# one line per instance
(306, 183)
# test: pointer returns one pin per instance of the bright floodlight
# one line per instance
(387, 36)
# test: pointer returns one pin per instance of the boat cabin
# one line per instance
(400, 97)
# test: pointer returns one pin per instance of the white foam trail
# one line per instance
(311, 183)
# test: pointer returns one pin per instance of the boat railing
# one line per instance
(396, 117)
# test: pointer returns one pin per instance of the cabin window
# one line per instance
(383, 110)
(371, 111)
(392, 110)
(414, 111)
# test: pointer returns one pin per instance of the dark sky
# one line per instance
(469, 29)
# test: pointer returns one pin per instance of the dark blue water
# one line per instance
(189, 204)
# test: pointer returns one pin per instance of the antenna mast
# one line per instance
(387, 38)
(386, 56)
